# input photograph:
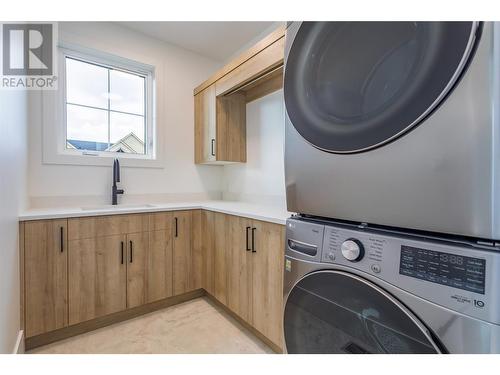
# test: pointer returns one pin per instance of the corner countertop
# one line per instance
(256, 211)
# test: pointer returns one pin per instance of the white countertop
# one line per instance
(251, 210)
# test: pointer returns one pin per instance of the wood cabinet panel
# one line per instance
(267, 279)
(220, 257)
(239, 267)
(204, 125)
(137, 268)
(159, 274)
(97, 282)
(231, 128)
(99, 226)
(181, 251)
(208, 248)
(196, 257)
(266, 60)
(45, 275)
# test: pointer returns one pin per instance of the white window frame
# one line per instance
(55, 150)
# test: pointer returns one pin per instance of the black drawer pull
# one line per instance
(212, 144)
(176, 228)
(253, 240)
(62, 239)
(122, 252)
(131, 251)
(248, 245)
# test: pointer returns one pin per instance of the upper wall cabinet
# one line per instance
(220, 102)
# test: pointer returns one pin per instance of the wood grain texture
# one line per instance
(208, 248)
(45, 276)
(266, 60)
(98, 280)
(256, 48)
(196, 257)
(220, 257)
(22, 301)
(231, 128)
(267, 281)
(204, 125)
(159, 273)
(137, 268)
(239, 268)
(181, 251)
(264, 86)
(99, 226)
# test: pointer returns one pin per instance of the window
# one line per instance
(105, 108)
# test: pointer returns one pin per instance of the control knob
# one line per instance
(352, 250)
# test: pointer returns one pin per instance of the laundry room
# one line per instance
(181, 189)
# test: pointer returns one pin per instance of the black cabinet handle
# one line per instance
(248, 245)
(122, 252)
(253, 240)
(131, 251)
(176, 228)
(62, 238)
(212, 144)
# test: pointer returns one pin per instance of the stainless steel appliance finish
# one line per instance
(405, 294)
(440, 176)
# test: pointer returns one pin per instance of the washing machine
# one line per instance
(394, 123)
(363, 289)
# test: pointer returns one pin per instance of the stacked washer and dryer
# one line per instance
(392, 152)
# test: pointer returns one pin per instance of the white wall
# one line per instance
(13, 166)
(261, 179)
(181, 71)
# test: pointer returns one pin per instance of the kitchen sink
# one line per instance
(117, 207)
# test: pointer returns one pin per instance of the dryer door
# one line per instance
(336, 312)
(353, 86)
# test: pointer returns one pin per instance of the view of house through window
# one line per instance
(105, 108)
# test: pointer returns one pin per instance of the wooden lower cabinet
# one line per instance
(267, 279)
(243, 260)
(98, 277)
(239, 267)
(45, 276)
(207, 250)
(137, 268)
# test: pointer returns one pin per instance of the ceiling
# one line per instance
(217, 40)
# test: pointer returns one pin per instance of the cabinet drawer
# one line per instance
(99, 226)
(263, 62)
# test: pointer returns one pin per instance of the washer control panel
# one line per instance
(457, 276)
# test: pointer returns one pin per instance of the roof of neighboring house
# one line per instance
(129, 144)
(88, 145)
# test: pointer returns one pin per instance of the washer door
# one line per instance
(336, 312)
(353, 86)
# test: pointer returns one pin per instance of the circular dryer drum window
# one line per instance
(331, 312)
(353, 86)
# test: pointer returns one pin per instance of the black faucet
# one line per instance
(116, 178)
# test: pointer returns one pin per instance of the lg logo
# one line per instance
(27, 49)
(478, 303)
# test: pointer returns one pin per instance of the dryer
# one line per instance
(394, 123)
(359, 289)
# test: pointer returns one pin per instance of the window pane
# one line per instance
(127, 133)
(86, 84)
(87, 128)
(126, 92)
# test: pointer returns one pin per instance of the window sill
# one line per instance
(101, 161)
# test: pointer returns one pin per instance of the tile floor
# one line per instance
(196, 326)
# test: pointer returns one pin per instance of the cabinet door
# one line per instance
(208, 248)
(267, 279)
(220, 257)
(137, 268)
(97, 277)
(46, 274)
(181, 251)
(195, 261)
(204, 120)
(239, 274)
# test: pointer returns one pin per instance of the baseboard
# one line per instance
(91, 325)
(19, 347)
